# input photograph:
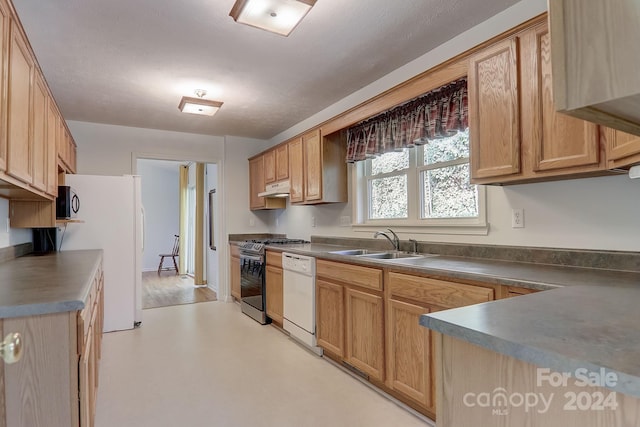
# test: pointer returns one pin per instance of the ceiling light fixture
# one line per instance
(199, 105)
(277, 16)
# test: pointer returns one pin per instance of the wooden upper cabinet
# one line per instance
(494, 121)
(257, 185)
(19, 144)
(269, 167)
(596, 61)
(516, 135)
(296, 171)
(623, 149)
(52, 148)
(256, 182)
(282, 162)
(4, 56)
(39, 134)
(276, 164)
(313, 165)
(557, 141)
(317, 168)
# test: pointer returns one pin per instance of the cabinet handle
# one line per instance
(11, 348)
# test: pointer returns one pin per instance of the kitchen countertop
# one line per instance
(587, 318)
(522, 274)
(52, 283)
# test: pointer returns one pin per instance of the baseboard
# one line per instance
(402, 405)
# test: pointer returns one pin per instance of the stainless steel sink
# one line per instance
(355, 252)
(390, 255)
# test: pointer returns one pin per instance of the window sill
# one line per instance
(475, 229)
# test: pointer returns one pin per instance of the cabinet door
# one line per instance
(494, 123)
(623, 149)
(274, 296)
(86, 370)
(4, 56)
(330, 317)
(52, 148)
(269, 166)
(235, 277)
(296, 171)
(256, 182)
(282, 162)
(19, 144)
(409, 352)
(39, 134)
(365, 333)
(558, 141)
(312, 151)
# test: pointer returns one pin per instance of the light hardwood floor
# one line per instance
(170, 289)
(207, 364)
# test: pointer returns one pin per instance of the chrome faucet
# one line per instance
(415, 245)
(395, 241)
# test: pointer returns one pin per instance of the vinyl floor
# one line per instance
(207, 364)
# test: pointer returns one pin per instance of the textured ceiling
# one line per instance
(129, 62)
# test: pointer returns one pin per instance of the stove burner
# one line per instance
(256, 246)
(279, 241)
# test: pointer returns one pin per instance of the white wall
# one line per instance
(15, 236)
(161, 201)
(594, 213)
(110, 150)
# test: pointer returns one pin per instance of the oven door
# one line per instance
(252, 280)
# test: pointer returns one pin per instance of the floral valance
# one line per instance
(438, 114)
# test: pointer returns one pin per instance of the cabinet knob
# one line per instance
(11, 348)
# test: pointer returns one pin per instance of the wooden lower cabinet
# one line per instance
(409, 352)
(330, 317)
(409, 346)
(55, 382)
(274, 295)
(350, 319)
(234, 266)
(364, 348)
(368, 318)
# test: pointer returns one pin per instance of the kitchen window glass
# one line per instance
(425, 185)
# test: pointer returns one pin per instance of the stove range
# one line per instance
(252, 275)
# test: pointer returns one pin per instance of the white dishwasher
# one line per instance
(299, 298)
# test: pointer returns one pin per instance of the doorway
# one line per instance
(161, 188)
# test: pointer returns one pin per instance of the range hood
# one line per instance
(277, 189)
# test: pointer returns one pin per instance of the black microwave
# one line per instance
(67, 203)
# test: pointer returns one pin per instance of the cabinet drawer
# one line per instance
(350, 274)
(515, 291)
(437, 292)
(274, 259)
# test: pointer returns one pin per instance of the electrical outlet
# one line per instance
(252, 222)
(277, 222)
(345, 221)
(313, 221)
(8, 224)
(517, 218)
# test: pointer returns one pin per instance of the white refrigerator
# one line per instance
(111, 209)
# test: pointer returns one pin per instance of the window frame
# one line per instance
(414, 223)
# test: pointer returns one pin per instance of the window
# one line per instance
(421, 186)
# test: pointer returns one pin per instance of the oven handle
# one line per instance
(251, 257)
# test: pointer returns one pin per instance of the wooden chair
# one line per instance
(173, 255)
